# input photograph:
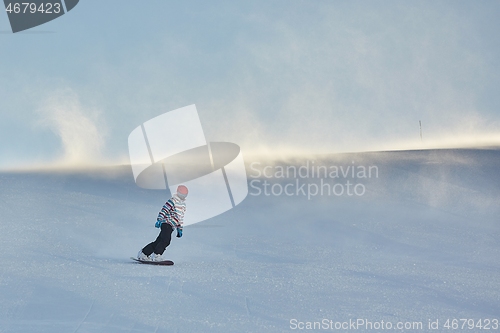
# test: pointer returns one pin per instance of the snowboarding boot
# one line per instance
(142, 256)
(156, 257)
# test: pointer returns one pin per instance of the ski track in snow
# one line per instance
(85, 318)
(422, 243)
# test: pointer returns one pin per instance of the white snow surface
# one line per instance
(421, 244)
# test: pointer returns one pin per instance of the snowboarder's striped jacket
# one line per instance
(172, 212)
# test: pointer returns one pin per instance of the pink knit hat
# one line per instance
(182, 191)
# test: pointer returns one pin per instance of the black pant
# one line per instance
(161, 242)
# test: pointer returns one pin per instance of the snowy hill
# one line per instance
(420, 244)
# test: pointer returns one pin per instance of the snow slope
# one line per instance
(421, 244)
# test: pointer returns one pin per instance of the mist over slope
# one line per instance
(420, 243)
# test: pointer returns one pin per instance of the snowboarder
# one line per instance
(169, 218)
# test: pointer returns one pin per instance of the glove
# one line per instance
(158, 224)
(179, 233)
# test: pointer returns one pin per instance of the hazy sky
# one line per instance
(294, 76)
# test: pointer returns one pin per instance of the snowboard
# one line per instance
(160, 263)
